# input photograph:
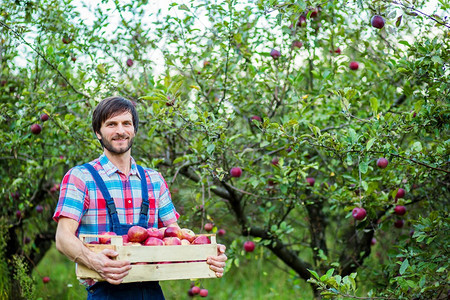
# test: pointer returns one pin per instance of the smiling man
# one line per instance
(113, 193)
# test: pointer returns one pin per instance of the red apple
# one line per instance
(377, 21)
(185, 242)
(44, 117)
(153, 241)
(203, 293)
(400, 210)
(301, 21)
(155, 232)
(337, 51)
(399, 223)
(190, 293)
(201, 240)
(314, 13)
(208, 227)
(373, 241)
(195, 290)
(354, 65)
(66, 39)
(162, 229)
(125, 239)
(249, 246)
(310, 181)
(359, 213)
(36, 128)
(275, 161)
(257, 118)
(18, 214)
(275, 54)
(382, 162)
(297, 44)
(26, 240)
(45, 279)
(221, 232)
(172, 231)
(137, 234)
(130, 62)
(236, 172)
(39, 208)
(94, 242)
(105, 239)
(400, 193)
(171, 241)
(188, 234)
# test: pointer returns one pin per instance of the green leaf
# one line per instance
(399, 21)
(370, 143)
(416, 147)
(404, 266)
(437, 59)
(352, 134)
(363, 167)
(314, 273)
(374, 105)
(210, 148)
(179, 159)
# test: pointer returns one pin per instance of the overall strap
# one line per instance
(144, 206)
(104, 190)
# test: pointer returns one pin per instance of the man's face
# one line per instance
(117, 133)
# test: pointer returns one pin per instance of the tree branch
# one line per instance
(44, 58)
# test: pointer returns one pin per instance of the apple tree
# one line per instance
(318, 130)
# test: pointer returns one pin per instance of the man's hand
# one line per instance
(67, 243)
(217, 263)
(111, 270)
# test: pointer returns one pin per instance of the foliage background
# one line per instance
(200, 72)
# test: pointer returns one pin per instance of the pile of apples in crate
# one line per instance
(138, 236)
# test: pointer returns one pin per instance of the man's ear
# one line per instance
(98, 135)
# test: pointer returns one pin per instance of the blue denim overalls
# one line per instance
(135, 290)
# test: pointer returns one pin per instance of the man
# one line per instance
(112, 193)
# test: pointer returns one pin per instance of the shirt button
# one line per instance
(129, 201)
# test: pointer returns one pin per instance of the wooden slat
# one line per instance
(157, 272)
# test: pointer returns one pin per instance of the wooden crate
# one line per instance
(165, 262)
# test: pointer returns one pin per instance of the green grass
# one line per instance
(254, 279)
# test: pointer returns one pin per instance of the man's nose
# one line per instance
(120, 129)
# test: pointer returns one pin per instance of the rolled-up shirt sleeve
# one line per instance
(72, 196)
(167, 213)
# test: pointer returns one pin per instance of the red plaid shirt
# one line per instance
(81, 200)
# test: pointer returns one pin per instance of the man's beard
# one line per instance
(106, 144)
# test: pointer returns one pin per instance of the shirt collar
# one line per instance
(110, 168)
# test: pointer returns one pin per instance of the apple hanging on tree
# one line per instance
(359, 213)
(208, 227)
(203, 293)
(236, 172)
(36, 128)
(377, 21)
(382, 163)
(275, 54)
(311, 181)
(249, 246)
(399, 223)
(400, 210)
(354, 65)
(44, 117)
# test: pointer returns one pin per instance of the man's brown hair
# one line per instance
(111, 107)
